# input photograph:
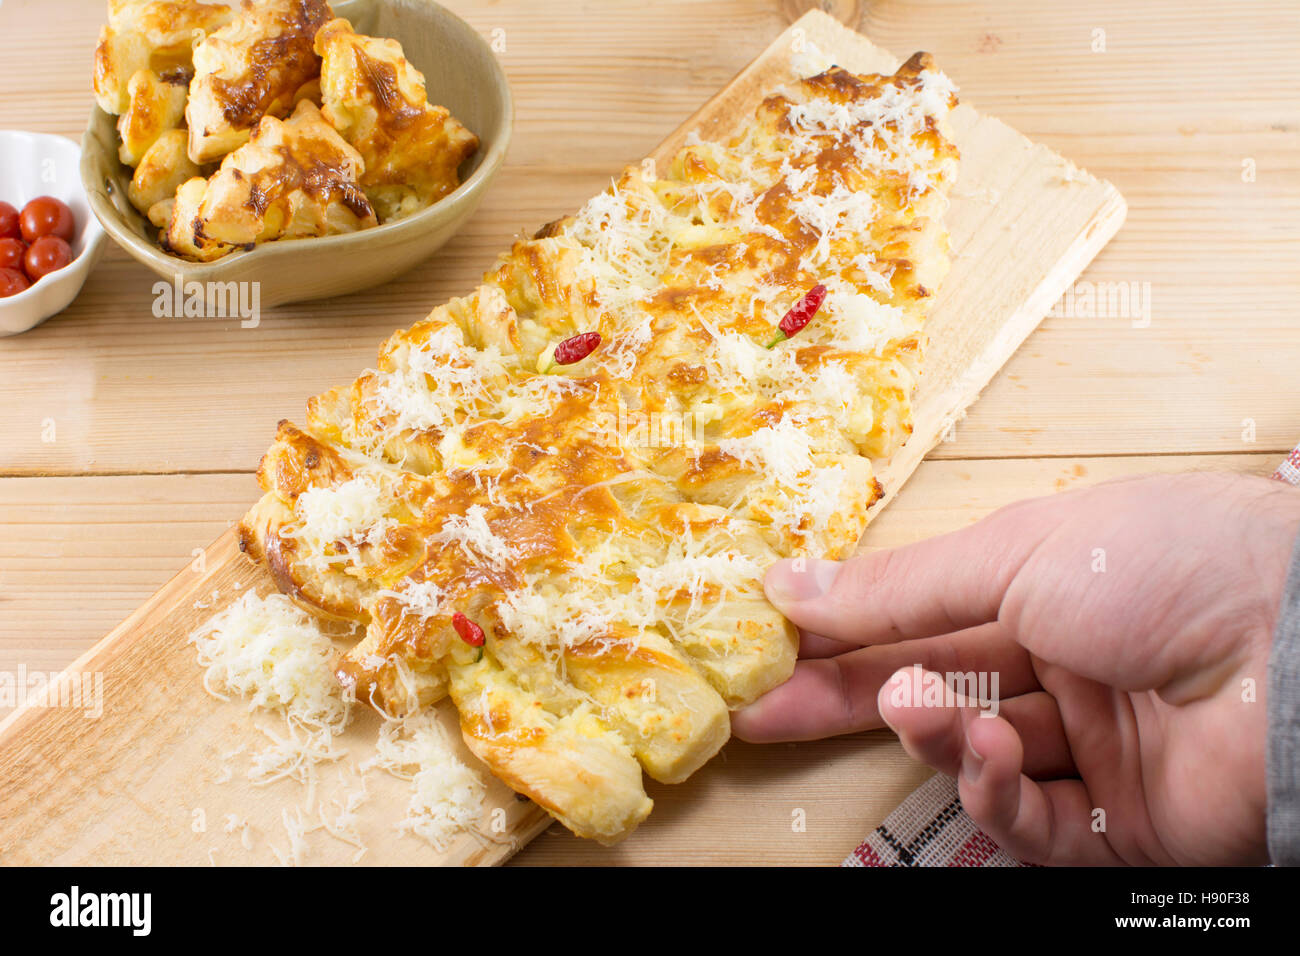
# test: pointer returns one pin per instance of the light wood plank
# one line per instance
(1184, 92)
(79, 554)
(1165, 114)
(75, 551)
(124, 758)
(141, 746)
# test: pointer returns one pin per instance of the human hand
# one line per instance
(1125, 623)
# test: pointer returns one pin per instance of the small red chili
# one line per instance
(469, 632)
(800, 314)
(576, 348)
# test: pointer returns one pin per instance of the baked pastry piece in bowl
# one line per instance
(315, 148)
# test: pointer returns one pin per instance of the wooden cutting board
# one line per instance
(157, 775)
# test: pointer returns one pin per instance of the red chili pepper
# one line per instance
(800, 314)
(469, 632)
(576, 348)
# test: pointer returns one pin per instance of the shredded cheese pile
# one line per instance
(272, 653)
(446, 796)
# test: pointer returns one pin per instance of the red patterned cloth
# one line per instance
(930, 827)
(1289, 470)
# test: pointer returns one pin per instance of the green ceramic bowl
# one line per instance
(461, 72)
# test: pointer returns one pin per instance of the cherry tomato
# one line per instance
(9, 228)
(46, 216)
(12, 282)
(11, 253)
(47, 254)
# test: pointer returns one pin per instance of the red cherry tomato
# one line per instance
(11, 253)
(12, 282)
(46, 216)
(9, 228)
(47, 254)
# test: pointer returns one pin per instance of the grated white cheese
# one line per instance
(731, 571)
(623, 244)
(619, 357)
(439, 378)
(474, 536)
(783, 451)
(572, 613)
(850, 319)
(295, 827)
(270, 651)
(817, 508)
(422, 599)
(842, 213)
(446, 795)
(895, 116)
(878, 282)
(348, 514)
(344, 824)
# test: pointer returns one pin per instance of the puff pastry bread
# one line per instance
(156, 104)
(152, 35)
(162, 170)
(617, 572)
(376, 99)
(295, 177)
(205, 73)
(250, 68)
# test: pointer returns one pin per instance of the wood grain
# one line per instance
(1165, 115)
(159, 732)
(149, 525)
(1183, 93)
(126, 759)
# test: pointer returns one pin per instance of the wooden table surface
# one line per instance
(127, 442)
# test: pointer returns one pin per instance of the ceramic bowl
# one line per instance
(461, 72)
(38, 164)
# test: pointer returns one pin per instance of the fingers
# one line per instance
(1048, 823)
(1040, 823)
(935, 735)
(813, 646)
(838, 695)
(937, 586)
(1037, 719)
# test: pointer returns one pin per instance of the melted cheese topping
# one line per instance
(474, 536)
(541, 509)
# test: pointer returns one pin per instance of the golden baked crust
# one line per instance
(250, 68)
(376, 99)
(154, 35)
(161, 171)
(607, 523)
(295, 178)
(156, 105)
(213, 70)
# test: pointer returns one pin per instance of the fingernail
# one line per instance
(972, 762)
(884, 718)
(800, 579)
(883, 696)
